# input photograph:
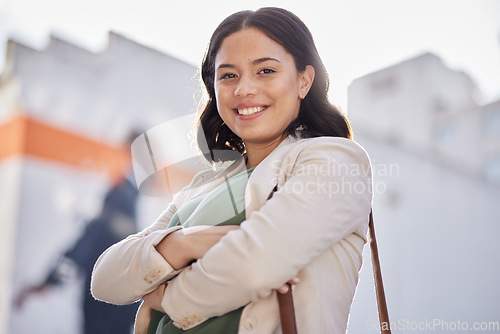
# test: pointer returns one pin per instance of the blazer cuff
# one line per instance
(160, 270)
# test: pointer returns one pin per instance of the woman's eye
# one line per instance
(227, 76)
(266, 71)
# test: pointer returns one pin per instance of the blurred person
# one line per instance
(116, 220)
(292, 208)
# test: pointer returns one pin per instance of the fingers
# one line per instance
(286, 287)
(153, 299)
(294, 281)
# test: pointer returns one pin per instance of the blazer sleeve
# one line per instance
(131, 268)
(325, 195)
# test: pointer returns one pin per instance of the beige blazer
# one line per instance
(313, 227)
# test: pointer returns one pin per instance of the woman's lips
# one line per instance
(250, 112)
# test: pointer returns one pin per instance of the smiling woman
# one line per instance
(272, 39)
(216, 259)
(258, 90)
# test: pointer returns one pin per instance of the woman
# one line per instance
(301, 192)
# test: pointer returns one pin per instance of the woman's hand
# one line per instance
(154, 298)
(188, 244)
(284, 288)
(142, 319)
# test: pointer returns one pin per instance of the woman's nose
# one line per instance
(245, 86)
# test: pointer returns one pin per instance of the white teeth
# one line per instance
(250, 111)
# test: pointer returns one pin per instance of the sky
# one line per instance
(354, 37)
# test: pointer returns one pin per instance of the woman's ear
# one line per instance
(306, 81)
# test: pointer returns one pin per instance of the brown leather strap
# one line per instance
(383, 314)
(285, 301)
(287, 312)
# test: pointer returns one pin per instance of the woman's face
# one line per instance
(257, 87)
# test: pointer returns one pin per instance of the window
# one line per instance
(492, 170)
(438, 104)
(383, 84)
(491, 123)
(446, 134)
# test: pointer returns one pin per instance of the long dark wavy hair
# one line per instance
(317, 116)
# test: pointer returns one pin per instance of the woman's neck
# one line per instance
(256, 152)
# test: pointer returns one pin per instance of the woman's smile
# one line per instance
(248, 111)
(257, 87)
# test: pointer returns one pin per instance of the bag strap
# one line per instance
(285, 301)
(383, 314)
(287, 312)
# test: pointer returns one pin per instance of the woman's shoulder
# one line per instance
(328, 140)
(328, 147)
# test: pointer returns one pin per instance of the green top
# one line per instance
(223, 205)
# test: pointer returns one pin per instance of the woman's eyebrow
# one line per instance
(255, 62)
(261, 60)
(225, 66)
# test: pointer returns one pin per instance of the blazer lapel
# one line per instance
(265, 177)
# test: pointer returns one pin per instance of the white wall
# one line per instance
(104, 95)
(55, 204)
(437, 231)
(406, 102)
(436, 215)
(44, 204)
(10, 180)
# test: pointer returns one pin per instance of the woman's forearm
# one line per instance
(184, 246)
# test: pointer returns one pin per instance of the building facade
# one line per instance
(435, 155)
(64, 116)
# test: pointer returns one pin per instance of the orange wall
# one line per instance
(25, 136)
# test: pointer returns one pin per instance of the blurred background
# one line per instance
(420, 81)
